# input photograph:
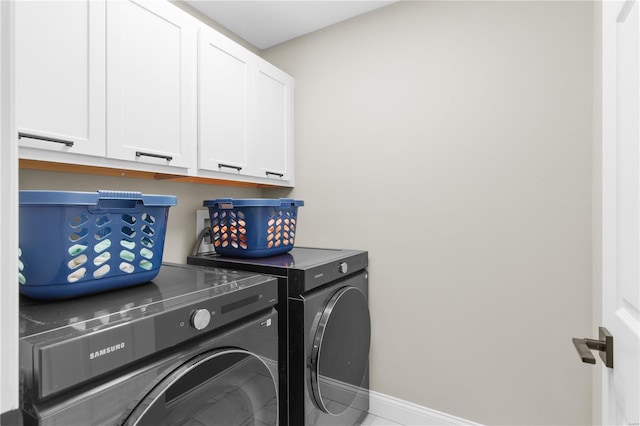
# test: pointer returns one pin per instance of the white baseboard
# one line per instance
(410, 414)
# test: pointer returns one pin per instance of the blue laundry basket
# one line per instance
(253, 227)
(78, 243)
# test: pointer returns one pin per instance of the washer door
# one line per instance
(340, 355)
(226, 387)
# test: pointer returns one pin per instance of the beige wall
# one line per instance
(181, 227)
(453, 140)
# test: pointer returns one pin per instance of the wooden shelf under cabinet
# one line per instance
(108, 171)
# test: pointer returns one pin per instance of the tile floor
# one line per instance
(372, 420)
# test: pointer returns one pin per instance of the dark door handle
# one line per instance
(604, 346)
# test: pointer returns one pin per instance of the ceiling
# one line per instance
(266, 23)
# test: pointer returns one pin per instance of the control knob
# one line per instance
(200, 319)
(343, 267)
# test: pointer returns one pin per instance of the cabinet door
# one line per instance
(224, 103)
(151, 83)
(60, 75)
(273, 138)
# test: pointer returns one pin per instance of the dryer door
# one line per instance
(340, 355)
(225, 387)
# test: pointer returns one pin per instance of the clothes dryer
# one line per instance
(328, 332)
(196, 346)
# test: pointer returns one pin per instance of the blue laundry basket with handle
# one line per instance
(253, 227)
(78, 243)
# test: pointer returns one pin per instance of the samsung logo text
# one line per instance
(106, 351)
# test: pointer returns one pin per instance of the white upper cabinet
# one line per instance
(225, 87)
(143, 85)
(273, 140)
(60, 75)
(151, 83)
(245, 115)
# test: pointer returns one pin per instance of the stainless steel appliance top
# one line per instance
(306, 268)
(175, 286)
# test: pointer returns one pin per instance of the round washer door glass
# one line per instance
(340, 356)
(220, 388)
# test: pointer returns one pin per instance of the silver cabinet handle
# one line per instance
(42, 138)
(268, 173)
(148, 154)
(229, 166)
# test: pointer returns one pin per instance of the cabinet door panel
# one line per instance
(60, 75)
(273, 134)
(151, 60)
(224, 104)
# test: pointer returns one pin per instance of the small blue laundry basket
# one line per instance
(78, 243)
(253, 227)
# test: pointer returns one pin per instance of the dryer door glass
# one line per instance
(225, 387)
(340, 356)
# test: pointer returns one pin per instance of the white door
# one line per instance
(60, 75)
(621, 208)
(151, 83)
(225, 77)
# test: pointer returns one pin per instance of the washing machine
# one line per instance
(328, 332)
(196, 346)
